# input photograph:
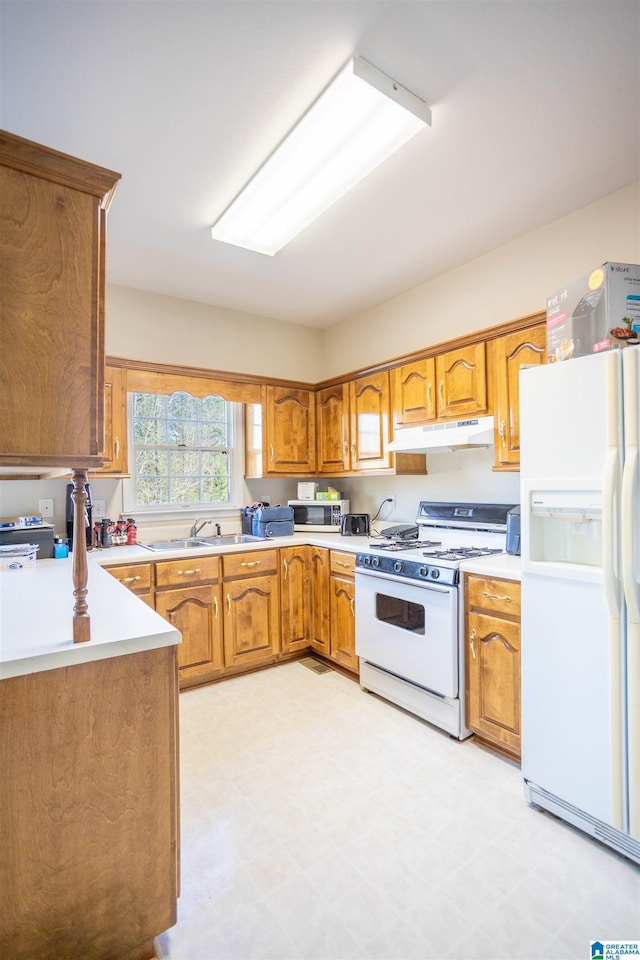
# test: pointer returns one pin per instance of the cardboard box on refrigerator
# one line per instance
(597, 312)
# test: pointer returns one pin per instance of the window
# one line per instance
(182, 450)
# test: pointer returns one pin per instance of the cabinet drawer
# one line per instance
(249, 564)
(343, 563)
(501, 596)
(170, 573)
(137, 576)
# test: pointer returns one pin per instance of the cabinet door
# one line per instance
(369, 415)
(195, 611)
(290, 431)
(343, 632)
(414, 392)
(493, 680)
(251, 621)
(295, 596)
(115, 423)
(509, 354)
(52, 244)
(462, 381)
(320, 602)
(332, 429)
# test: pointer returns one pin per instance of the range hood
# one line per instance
(457, 435)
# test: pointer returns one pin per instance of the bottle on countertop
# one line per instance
(132, 531)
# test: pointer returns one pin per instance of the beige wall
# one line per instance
(148, 326)
(510, 282)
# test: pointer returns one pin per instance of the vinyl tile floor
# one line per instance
(319, 821)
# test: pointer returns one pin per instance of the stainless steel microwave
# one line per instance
(318, 516)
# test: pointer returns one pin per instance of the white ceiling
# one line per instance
(535, 106)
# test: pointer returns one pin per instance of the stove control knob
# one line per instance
(367, 561)
(424, 571)
(435, 573)
(375, 561)
(398, 566)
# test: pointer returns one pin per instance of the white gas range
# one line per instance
(409, 609)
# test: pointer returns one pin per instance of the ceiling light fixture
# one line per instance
(362, 117)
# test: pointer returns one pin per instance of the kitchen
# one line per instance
(490, 286)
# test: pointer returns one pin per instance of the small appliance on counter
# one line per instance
(318, 516)
(513, 532)
(87, 516)
(355, 525)
(42, 536)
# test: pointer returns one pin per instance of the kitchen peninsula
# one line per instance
(89, 792)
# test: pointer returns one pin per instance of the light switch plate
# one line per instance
(45, 508)
(98, 508)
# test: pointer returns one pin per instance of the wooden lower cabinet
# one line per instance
(251, 599)
(342, 605)
(295, 598)
(195, 609)
(137, 577)
(493, 662)
(89, 800)
(320, 619)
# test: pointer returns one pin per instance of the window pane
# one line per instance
(215, 490)
(181, 433)
(212, 408)
(151, 491)
(184, 463)
(152, 463)
(149, 405)
(149, 432)
(185, 490)
(213, 435)
(182, 406)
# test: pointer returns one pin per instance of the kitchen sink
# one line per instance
(187, 544)
(228, 538)
(190, 543)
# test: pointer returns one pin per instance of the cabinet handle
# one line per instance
(251, 563)
(286, 568)
(352, 603)
(117, 447)
(471, 639)
(353, 448)
(185, 573)
(271, 451)
(215, 608)
(228, 604)
(341, 563)
(346, 448)
(429, 394)
(501, 432)
(440, 392)
(495, 596)
(130, 579)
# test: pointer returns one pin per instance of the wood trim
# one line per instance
(246, 388)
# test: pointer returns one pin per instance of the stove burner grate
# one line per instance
(461, 553)
(409, 544)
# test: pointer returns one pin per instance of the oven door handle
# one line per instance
(407, 581)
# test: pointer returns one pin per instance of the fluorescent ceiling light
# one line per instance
(362, 117)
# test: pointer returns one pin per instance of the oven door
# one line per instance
(409, 629)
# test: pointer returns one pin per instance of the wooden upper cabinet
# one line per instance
(332, 429)
(509, 354)
(413, 388)
(289, 434)
(369, 406)
(115, 453)
(52, 269)
(462, 382)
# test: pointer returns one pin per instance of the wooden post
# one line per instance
(81, 621)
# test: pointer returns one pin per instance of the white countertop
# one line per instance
(36, 611)
(497, 565)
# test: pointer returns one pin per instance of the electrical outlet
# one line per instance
(98, 508)
(392, 503)
(45, 508)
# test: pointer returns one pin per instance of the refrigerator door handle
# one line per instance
(610, 517)
(630, 533)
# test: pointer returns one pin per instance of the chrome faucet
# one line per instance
(195, 529)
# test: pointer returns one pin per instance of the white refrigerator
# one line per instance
(580, 543)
